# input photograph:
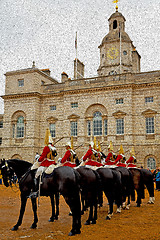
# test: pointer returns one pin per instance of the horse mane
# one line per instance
(19, 166)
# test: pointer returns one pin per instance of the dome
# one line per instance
(114, 35)
(115, 15)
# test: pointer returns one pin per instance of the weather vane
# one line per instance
(116, 1)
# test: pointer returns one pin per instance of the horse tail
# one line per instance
(77, 176)
(141, 185)
(132, 190)
(99, 188)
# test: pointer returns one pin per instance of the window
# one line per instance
(148, 99)
(1, 124)
(20, 82)
(52, 128)
(89, 128)
(149, 125)
(114, 24)
(119, 101)
(74, 129)
(20, 127)
(0, 140)
(151, 163)
(74, 105)
(13, 130)
(53, 107)
(124, 52)
(97, 124)
(105, 127)
(120, 126)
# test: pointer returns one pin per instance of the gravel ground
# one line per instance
(133, 224)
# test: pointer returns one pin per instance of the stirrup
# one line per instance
(33, 195)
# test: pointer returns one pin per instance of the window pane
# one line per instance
(151, 163)
(53, 107)
(74, 105)
(119, 101)
(74, 129)
(20, 127)
(97, 124)
(120, 126)
(105, 127)
(21, 82)
(150, 125)
(52, 128)
(148, 99)
(89, 128)
(0, 140)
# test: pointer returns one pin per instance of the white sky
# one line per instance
(44, 31)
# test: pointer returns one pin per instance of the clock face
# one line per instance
(112, 53)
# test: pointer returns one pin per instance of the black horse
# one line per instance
(128, 191)
(90, 184)
(112, 187)
(63, 180)
(148, 179)
(138, 184)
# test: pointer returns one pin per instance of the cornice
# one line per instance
(22, 95)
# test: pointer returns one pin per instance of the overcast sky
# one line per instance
(44, 31)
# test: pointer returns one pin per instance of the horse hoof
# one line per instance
(15, 228)
(138, 205)
(93, 222)
(33, 226)
(87, 223)
(51, 220)
(56, 217)
(108, 218)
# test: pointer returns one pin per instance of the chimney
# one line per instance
(64, 77)
(46, 71)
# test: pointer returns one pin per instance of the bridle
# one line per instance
(9, 175)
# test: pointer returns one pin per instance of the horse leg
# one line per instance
(138, 199)
(57, 205)
(90, 218)
(22, 210)
(34, 208)
(95, 213)
(128, 203)
(75, 207)
(110, 211)
(53, 208)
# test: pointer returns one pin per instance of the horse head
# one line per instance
(5, 172)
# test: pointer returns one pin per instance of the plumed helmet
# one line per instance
(132, 152)
(91, 144)
(68, 144)
(48, 138)
(121, 150)
(110, 146)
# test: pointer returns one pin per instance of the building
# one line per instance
(121, 105)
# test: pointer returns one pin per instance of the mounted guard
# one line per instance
(120, 160)
(110, 157)
(44, 162)
(68, 158)
(132, 160)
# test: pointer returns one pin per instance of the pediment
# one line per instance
(52, 119)
(119, 114)
(149, 112)
(73, 116)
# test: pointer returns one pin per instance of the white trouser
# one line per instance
(40, 170)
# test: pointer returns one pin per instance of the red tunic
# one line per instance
(130, 162)
(66, 160)
(90, 162)
(108, 160)
(45, 162)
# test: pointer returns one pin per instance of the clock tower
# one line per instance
(117, 53)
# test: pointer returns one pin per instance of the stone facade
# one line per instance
(119, 92)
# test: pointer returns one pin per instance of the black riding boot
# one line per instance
(34, 191)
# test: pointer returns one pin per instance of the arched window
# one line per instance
(20, 127)
(97, 124)
(151, 163)
(114, 24)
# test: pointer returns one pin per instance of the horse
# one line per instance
(63, 180)
(138, 184)
(127, 186)
(148, 179)
(20, 167)
(90, 185)
(112, 187)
